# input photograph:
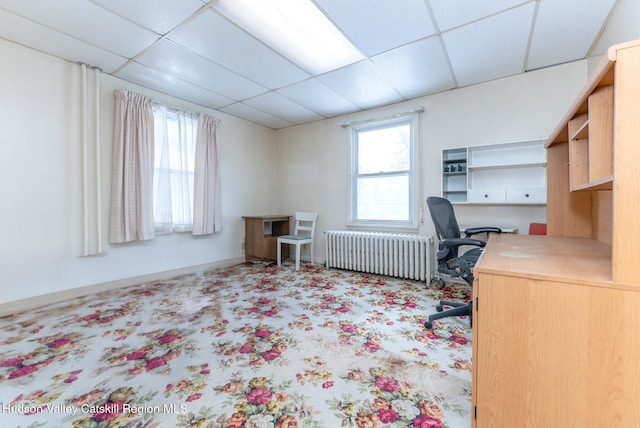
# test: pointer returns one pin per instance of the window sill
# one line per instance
(171, 232)
(383, 227)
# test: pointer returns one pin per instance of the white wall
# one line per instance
(623, 25)
(41, 191)
(313, 159)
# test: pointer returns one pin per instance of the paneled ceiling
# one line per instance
(411, 48)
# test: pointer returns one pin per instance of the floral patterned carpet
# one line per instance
(253, 346)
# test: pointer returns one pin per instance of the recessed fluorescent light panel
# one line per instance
(296, 29)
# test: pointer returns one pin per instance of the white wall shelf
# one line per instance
(505, 173)
(521, 165)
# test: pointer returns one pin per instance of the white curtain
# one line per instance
(175, 133)
(207, 211)
(132, 169)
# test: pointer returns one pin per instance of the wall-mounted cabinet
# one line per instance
(507, 173)
(454, 174)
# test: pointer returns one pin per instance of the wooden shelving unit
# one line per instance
(261, 236)
(556, 317)
(591, 142)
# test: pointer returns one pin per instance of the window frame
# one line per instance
(412, 224)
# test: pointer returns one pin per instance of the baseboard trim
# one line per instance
(31, 303)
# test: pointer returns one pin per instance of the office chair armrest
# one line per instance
(474, 230)
(456, 242)
(445, 245)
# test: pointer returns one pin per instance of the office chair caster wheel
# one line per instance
(428, 325)
(439, 308)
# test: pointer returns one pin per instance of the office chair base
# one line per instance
(458, 309)
(453, 304)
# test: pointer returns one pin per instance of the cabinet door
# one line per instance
(527, 195)
(554, 354)
(487, 196)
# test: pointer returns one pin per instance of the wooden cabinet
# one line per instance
(507, 173)
(556, 317)
(554, 340)
(261, 236)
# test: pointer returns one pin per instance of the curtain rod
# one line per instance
(390, 116)
(92, 67)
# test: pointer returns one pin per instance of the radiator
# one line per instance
(392, 254)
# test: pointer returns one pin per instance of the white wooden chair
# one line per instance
(306, 223)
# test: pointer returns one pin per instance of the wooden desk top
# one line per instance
(580, 261)
(268, 217)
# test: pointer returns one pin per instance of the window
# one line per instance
(166, 171)
(382, 180)
(175, 134)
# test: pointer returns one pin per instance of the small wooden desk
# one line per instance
(261, 236)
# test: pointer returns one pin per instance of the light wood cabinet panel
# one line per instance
(626, 198)
(568, 213)
(600, 134)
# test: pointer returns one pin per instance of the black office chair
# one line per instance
(449, 262)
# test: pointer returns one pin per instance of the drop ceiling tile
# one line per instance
(362, 85)
(157, 15)
(95, 32)
(417, 69)
(490, 48)
(246, 112)
(375, 26)
(86, 21)
(145, 76)
(317, 97)
(44, 39)
(557, 39)
(453, 13)
(169, 58)
(281, 107)
(221, 41)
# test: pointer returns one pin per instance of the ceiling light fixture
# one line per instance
(296, 29)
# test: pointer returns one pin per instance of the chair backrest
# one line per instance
(538, 229)
(444, 218)
(306, 222)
